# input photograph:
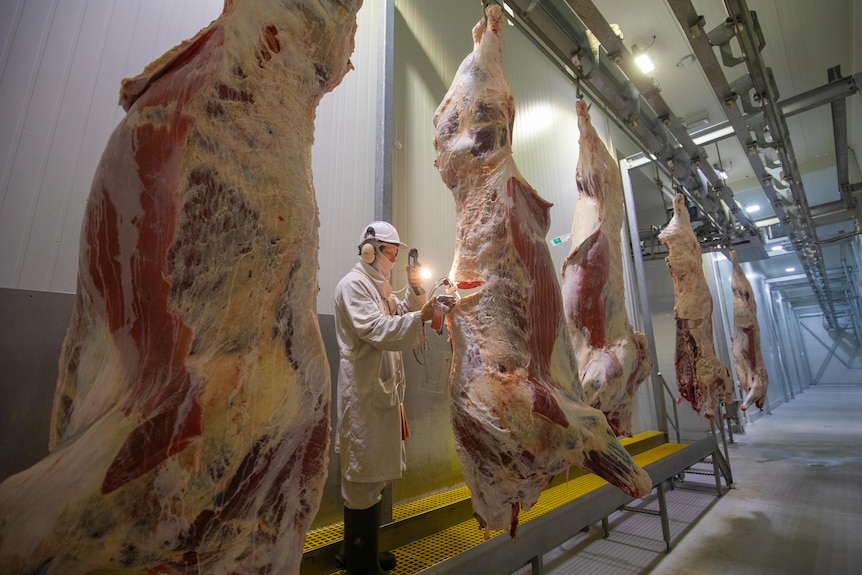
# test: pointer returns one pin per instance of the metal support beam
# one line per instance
(838, 89)
(801, 355)
(640, 275)
(835, 90)
(537, 565)
(839, 130)
(383, 154)
(385, 117)
(797, 215)
(665, 524)
(781, 342)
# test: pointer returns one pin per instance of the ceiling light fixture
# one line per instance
(713, 135)
(777, 248)
(644, 62)
(642, 59)
(752, 208)
(788, 270)
(701, 121)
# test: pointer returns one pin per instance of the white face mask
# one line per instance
(383, 264)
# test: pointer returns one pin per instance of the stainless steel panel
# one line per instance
(32, 327)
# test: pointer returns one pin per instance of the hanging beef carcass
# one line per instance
(613, 359)
(190, 425)
(517, 407)
(702, 379)
(747, 357)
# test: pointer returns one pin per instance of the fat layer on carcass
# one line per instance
(702, 379)
(517, 407)
(747, 357)
(190, 424)
(613, 358)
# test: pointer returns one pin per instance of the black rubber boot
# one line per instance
(361, 529)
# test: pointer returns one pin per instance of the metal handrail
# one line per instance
(674, 422)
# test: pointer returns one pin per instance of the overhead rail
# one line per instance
(578, 39)
(689, 153)
(787, 195)
(838, 89)
(603, 68)
(839, 130)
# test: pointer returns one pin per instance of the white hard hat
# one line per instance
(381, 232)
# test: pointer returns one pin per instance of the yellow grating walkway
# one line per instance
(435, 548)
(335, 532)
(640, 437)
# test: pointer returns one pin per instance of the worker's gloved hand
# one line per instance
(439, 307)
(428, 310)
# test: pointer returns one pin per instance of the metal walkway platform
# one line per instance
(438, 534)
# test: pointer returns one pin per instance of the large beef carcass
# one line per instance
(517, 407)
(702, 379)
(190, 425)
(613, 358)
(747, 357)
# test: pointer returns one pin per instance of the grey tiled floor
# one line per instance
(795, 506)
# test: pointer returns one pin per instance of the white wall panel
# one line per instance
(343, 156)
(10, 13)
(26, 43)
(52, 119)
(431, 39)
(60, 72)
(545, 143)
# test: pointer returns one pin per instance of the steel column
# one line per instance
(385, 117)
(640, 276)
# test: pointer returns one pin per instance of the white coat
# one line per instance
(372, 327)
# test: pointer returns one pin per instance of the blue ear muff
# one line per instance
(368, 252)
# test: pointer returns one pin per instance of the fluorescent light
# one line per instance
(696, 125)
(753, 208)
(788, 270)
(644, 63)
(713, 135)
(777, 248)
(639, 160)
